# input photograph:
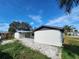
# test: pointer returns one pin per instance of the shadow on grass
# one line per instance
(5, 56)
(71, 49)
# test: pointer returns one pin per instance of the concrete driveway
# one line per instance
(51, 51)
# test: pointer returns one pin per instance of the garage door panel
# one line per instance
(52, 37)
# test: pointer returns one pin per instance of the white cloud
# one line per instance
(75, 10)
(58, 20)
(4, 27)
(71, 19)
(36, 18)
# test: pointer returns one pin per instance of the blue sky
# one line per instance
(36, 13)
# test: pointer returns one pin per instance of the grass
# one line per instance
(71, 48)
(17, 51)
(71, 41)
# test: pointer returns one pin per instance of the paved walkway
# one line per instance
(7, 41)
(51, 51)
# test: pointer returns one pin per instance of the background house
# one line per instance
(23, 34)
(73, 33)
(70, 31)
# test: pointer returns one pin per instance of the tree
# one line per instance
(14, 26)
(12, 30)
(67, 29)
(67, 5)
(24, 26)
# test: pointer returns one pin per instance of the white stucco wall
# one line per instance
(51, 37)
(17, 35)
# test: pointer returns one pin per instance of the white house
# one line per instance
(23, 34)
(49, 35)
(73, 33)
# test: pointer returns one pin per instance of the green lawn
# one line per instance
(71, 48)
(17, 51)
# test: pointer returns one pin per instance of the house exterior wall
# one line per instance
(51, 37)
(17, 35)
(73, 34)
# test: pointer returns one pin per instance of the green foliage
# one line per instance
(18, 51)
(24, 26)
(70, 48)
(70, 52)
(12, 30)
(19, 26)
(67, 5)
(68, 28)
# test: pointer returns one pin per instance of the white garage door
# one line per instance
(51, 37)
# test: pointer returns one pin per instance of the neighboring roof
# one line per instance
(49, 27)
(23, 31)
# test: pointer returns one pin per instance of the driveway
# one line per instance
(51, 51)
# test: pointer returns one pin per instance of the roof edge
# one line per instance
(50, 27)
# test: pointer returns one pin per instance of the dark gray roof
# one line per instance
(50, 27)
